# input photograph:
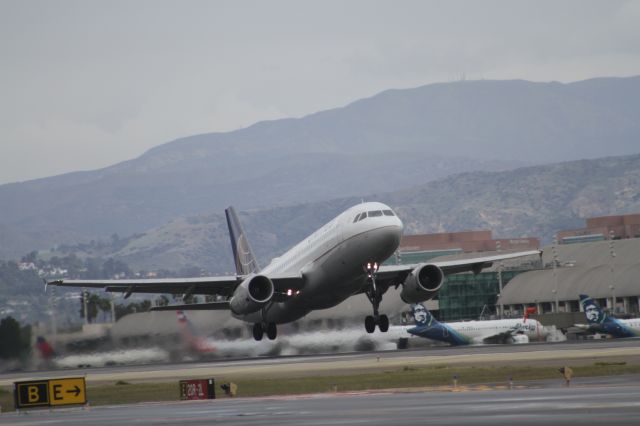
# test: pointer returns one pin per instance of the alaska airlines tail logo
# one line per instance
(593, 312)
(422, 316)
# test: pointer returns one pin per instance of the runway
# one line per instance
(486, 355)
(611, 400)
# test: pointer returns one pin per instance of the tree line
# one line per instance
(15, 339)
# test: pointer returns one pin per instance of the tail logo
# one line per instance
(593, 313)
(245, 257)
(421, 315)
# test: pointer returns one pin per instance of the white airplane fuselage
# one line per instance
(331, 261)
(477, 331)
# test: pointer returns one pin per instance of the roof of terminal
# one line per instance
(586, 270)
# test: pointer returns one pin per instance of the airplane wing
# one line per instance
(590, 328)
(395, 274)
(502, 337)
(224, 285)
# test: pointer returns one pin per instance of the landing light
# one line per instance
(371, 268)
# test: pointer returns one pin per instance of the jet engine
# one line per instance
(250, 296)
(519, 338)
(422, 283)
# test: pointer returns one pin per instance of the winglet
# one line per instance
(242, 254)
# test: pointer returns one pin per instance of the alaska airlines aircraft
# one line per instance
(337, 261)
(599, 322)
(475, 332)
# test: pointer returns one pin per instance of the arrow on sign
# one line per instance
(75, 390)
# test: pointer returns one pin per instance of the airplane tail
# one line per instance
(422, 316)
(529, 311)
(242, 254)
(191, 338)
(45, 349)
(593, 312)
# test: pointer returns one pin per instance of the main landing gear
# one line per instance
(374, 294)
(259, 329)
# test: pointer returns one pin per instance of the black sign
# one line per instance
(32, 394)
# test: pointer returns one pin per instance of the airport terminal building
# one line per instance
(581, 268)
(601, 260)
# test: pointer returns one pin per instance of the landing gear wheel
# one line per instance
(257, 331)
(383, 323)
(370, 324)
(374, 294)
(272, 331)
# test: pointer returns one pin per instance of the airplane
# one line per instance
(193, 342)
(339, 260)
(475, 332)
(599, 322)
(191, 345)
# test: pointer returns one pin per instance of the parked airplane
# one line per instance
(337, 261)
(476, 332)
(193, 342)
(599, 322)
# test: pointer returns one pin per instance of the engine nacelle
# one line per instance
(422, 284)
(520, 338)
(250, 296)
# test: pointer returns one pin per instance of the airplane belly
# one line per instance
(333, 277)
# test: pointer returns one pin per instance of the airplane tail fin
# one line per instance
(422, 316)
(529, 311)
(593, 312)
(191, 337)
(45, 349)
(242, 254)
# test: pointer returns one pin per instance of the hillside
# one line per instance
(531, 201)
(388, 142)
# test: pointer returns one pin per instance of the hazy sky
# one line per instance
(85, 84)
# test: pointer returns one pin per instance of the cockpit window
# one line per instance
(388, 213)
(375, 213)
(357, 218)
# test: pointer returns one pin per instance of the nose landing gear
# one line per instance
(374, 294)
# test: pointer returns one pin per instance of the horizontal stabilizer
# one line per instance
(194, 307)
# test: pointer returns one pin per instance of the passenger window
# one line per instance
(375, 213)
(388, 213)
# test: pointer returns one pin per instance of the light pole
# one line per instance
(555, 272)
(500, 266)
(113, 310)
(85, 296)
(612, 252)
(54, 307)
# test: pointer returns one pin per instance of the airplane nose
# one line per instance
(396, 233)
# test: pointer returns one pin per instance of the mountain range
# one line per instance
(533, 201)
(394, 140)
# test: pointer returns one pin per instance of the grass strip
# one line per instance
(405, 377)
